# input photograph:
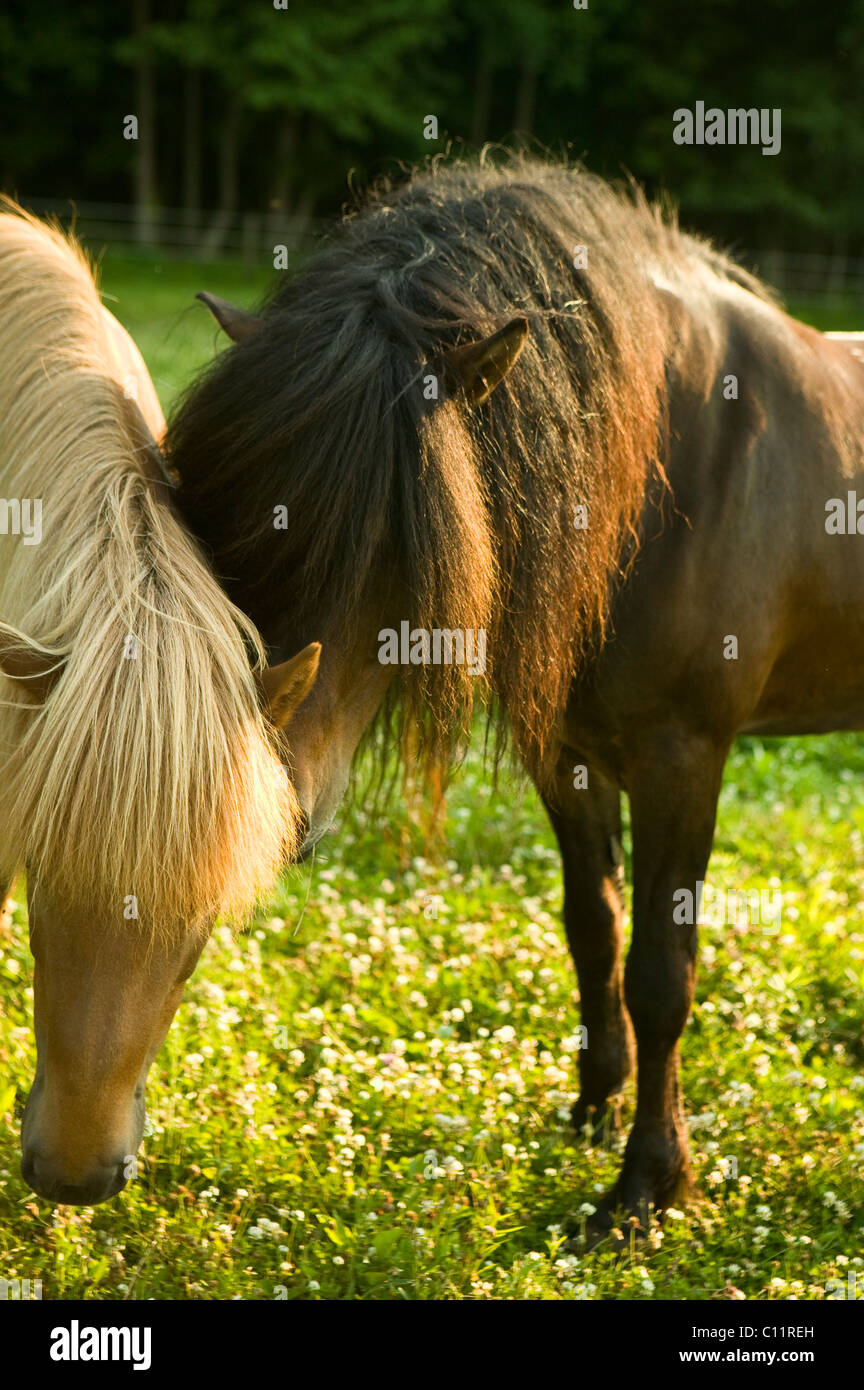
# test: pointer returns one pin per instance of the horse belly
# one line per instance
(816, 686)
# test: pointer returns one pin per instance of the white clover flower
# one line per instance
(567, 1264)
(450, 1121)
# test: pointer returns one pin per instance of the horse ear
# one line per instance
(237, 323)
(477, 368)
(34, 672)
(286, 686)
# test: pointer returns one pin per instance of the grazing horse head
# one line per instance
(142, 784)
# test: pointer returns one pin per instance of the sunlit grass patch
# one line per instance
(366, 1095)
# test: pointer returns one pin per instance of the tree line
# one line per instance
(274, 104)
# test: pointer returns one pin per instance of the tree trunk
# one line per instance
(523, 119)
(145, 164)
(301, 214)
(286, 149)
(279, 229)
(191, 154)
(482, 93)
(229, 150)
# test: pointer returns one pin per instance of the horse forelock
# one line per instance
(148, 773)
(323, 412)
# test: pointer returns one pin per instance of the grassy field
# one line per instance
(366, 1095)
(156, 302)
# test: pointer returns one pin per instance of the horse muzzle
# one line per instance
(49, 1179)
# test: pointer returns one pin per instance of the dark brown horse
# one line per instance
(636, 516)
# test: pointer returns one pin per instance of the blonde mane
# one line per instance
(149, 771)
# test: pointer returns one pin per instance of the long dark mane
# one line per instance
(469, 512)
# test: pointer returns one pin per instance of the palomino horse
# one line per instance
(142, 788)
(514, 399)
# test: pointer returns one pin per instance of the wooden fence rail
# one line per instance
(254, 237)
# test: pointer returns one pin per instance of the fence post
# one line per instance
(250, 237)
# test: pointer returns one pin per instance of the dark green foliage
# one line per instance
(257, 107)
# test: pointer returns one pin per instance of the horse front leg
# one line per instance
(673, 789)
(587, 823)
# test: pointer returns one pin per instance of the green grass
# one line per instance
(155, 301)
(831, 315)
(365, 1096)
